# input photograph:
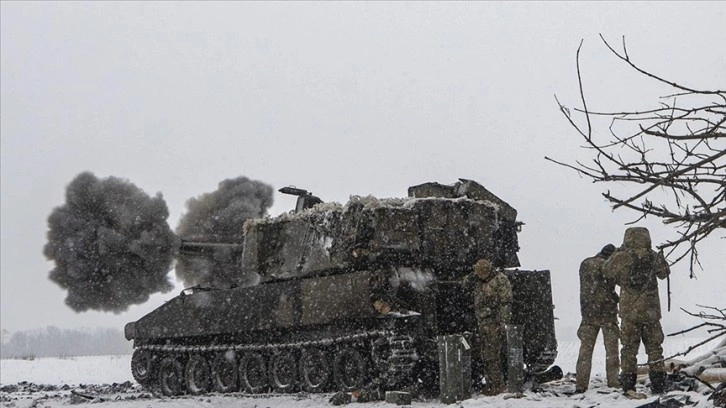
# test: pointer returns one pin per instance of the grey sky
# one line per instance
(337, 98)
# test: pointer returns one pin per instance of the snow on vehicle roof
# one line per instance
(369, 202)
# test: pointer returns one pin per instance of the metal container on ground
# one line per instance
(515, 359)
(454, 368)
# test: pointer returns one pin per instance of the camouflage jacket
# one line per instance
(598, 300)
(634, 267)
(492, 298)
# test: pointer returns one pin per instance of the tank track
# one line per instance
(394, 355)
(352, 338)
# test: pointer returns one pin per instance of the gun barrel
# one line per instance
(207, 248)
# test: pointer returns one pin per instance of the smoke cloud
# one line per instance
(111, 244)
(219, 217)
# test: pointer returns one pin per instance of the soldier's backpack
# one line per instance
(641, 275)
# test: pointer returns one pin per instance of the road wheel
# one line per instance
(143, 367)
(253, 372)
(171, 376)
(224, 372)
(282, 372)
(349, 369)
(198, 375)
(314, 370)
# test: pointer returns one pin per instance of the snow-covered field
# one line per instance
(53, 382)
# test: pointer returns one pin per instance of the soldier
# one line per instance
(599, 308)
(492, 306)
(634, 267)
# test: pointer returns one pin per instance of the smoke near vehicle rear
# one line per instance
(219, 217)
(111, 244)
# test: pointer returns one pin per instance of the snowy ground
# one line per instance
(53, 382)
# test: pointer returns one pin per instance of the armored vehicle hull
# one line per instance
(345, 297)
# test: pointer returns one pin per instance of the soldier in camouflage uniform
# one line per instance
(599, 308)
(634, 267)
(493, 309)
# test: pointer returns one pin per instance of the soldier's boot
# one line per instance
(657, 382)
(632, 394)
(627, 380)
(493, 389)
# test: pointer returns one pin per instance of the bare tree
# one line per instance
(706, 367)
(673, 153)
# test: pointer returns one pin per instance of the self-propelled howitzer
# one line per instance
(333, 297)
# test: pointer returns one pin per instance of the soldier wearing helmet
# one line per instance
(599, 309)
(634, 267)
(492, 306)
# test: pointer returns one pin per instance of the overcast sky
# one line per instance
(337, 98)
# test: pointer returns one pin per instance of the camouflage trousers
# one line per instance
(494, 343)
(587, 333)
(651, 333)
